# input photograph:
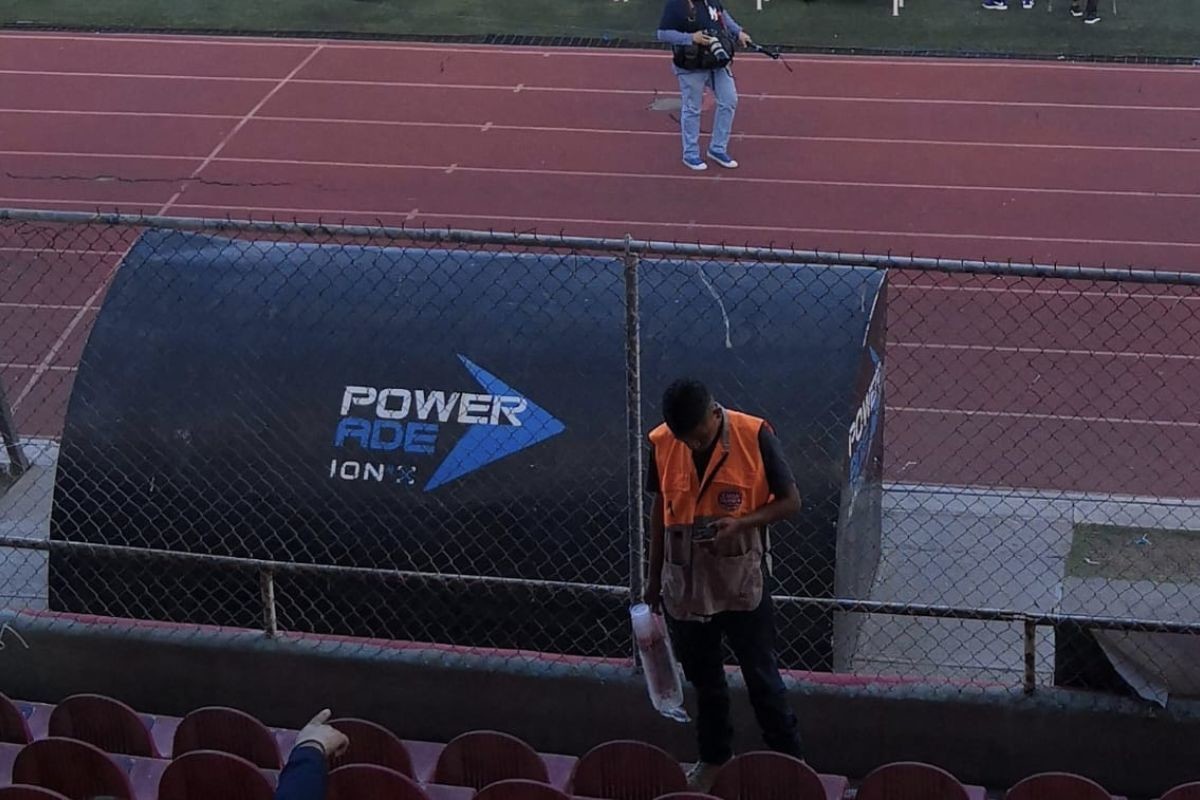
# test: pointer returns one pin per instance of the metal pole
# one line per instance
(300, 568)
(633, 413)
(18, 464)
(270, 621)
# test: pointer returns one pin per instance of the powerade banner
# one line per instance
(427, 412)
(861, 514)
(864, 439)
(378, 422)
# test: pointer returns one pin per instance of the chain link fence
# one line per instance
(437, 438)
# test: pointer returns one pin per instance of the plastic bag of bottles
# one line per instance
(658, 663)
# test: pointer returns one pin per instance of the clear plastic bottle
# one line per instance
(658, 663)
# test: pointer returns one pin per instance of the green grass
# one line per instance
(1141, 28)
(1134, 554)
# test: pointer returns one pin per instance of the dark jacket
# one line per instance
(305, 777)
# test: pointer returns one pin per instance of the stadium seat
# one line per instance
(520, 790)
(688, 796)
(144, 773)
(1057, 786)
(910, 780)
(13, 727)
(627, 770)
(76, 769)
(30, 793)
(208, 774)
(369, 782)
(229, 731)
(1186, 791)
(479, 758)
(766, 775)
(424, 757)
(162, 731)
(8, 757)
(372, 744)
(560, 767)
(107, 723)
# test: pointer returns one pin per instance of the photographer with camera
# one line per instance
(704, 37)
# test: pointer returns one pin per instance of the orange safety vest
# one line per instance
(696, 581)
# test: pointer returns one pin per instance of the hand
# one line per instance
(652, 595)
(744, 39)
(727, 529)
(702, 38)
(316, 733)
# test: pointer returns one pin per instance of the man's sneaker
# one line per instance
(695, 163)
(1026, 3)
(701, 776)
(723, 159)
(1092, 18)
(1076, 11)
(996, 5)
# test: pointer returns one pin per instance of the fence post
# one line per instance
(267, 585)
(633, 413)
(18, 463)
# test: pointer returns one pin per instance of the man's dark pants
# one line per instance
(751, 636)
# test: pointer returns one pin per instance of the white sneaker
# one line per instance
(701, 776)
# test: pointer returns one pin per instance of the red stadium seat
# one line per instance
(479, 758)
(30, 793)
(209, 774)
(910, 780)
(229, 731)
(1186, 791)
(372, 744)
(107, 723)
(688, 796)
(1057, 786)
(77, 769)
(520, 790)
(627, 770)
(766, 775)
(371, 782)
(13, 727)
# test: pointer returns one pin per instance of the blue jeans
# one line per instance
(691, 87)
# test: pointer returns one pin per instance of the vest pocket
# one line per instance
(678, 546)
(727, 583)
(675, 590)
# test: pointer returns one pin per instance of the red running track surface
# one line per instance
(1045, 385)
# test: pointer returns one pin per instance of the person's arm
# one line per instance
(652, 596)
(735, 29)
(306, 775)
(782, 507)
(653, 593)
(780, 480)
(675, 37)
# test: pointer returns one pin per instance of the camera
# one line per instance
(716, 49)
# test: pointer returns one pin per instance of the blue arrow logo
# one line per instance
(485, 444)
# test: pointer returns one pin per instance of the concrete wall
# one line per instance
(992, 738)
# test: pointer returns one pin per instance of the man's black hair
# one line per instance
(685, 404)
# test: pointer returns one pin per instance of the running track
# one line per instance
(990, 382)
